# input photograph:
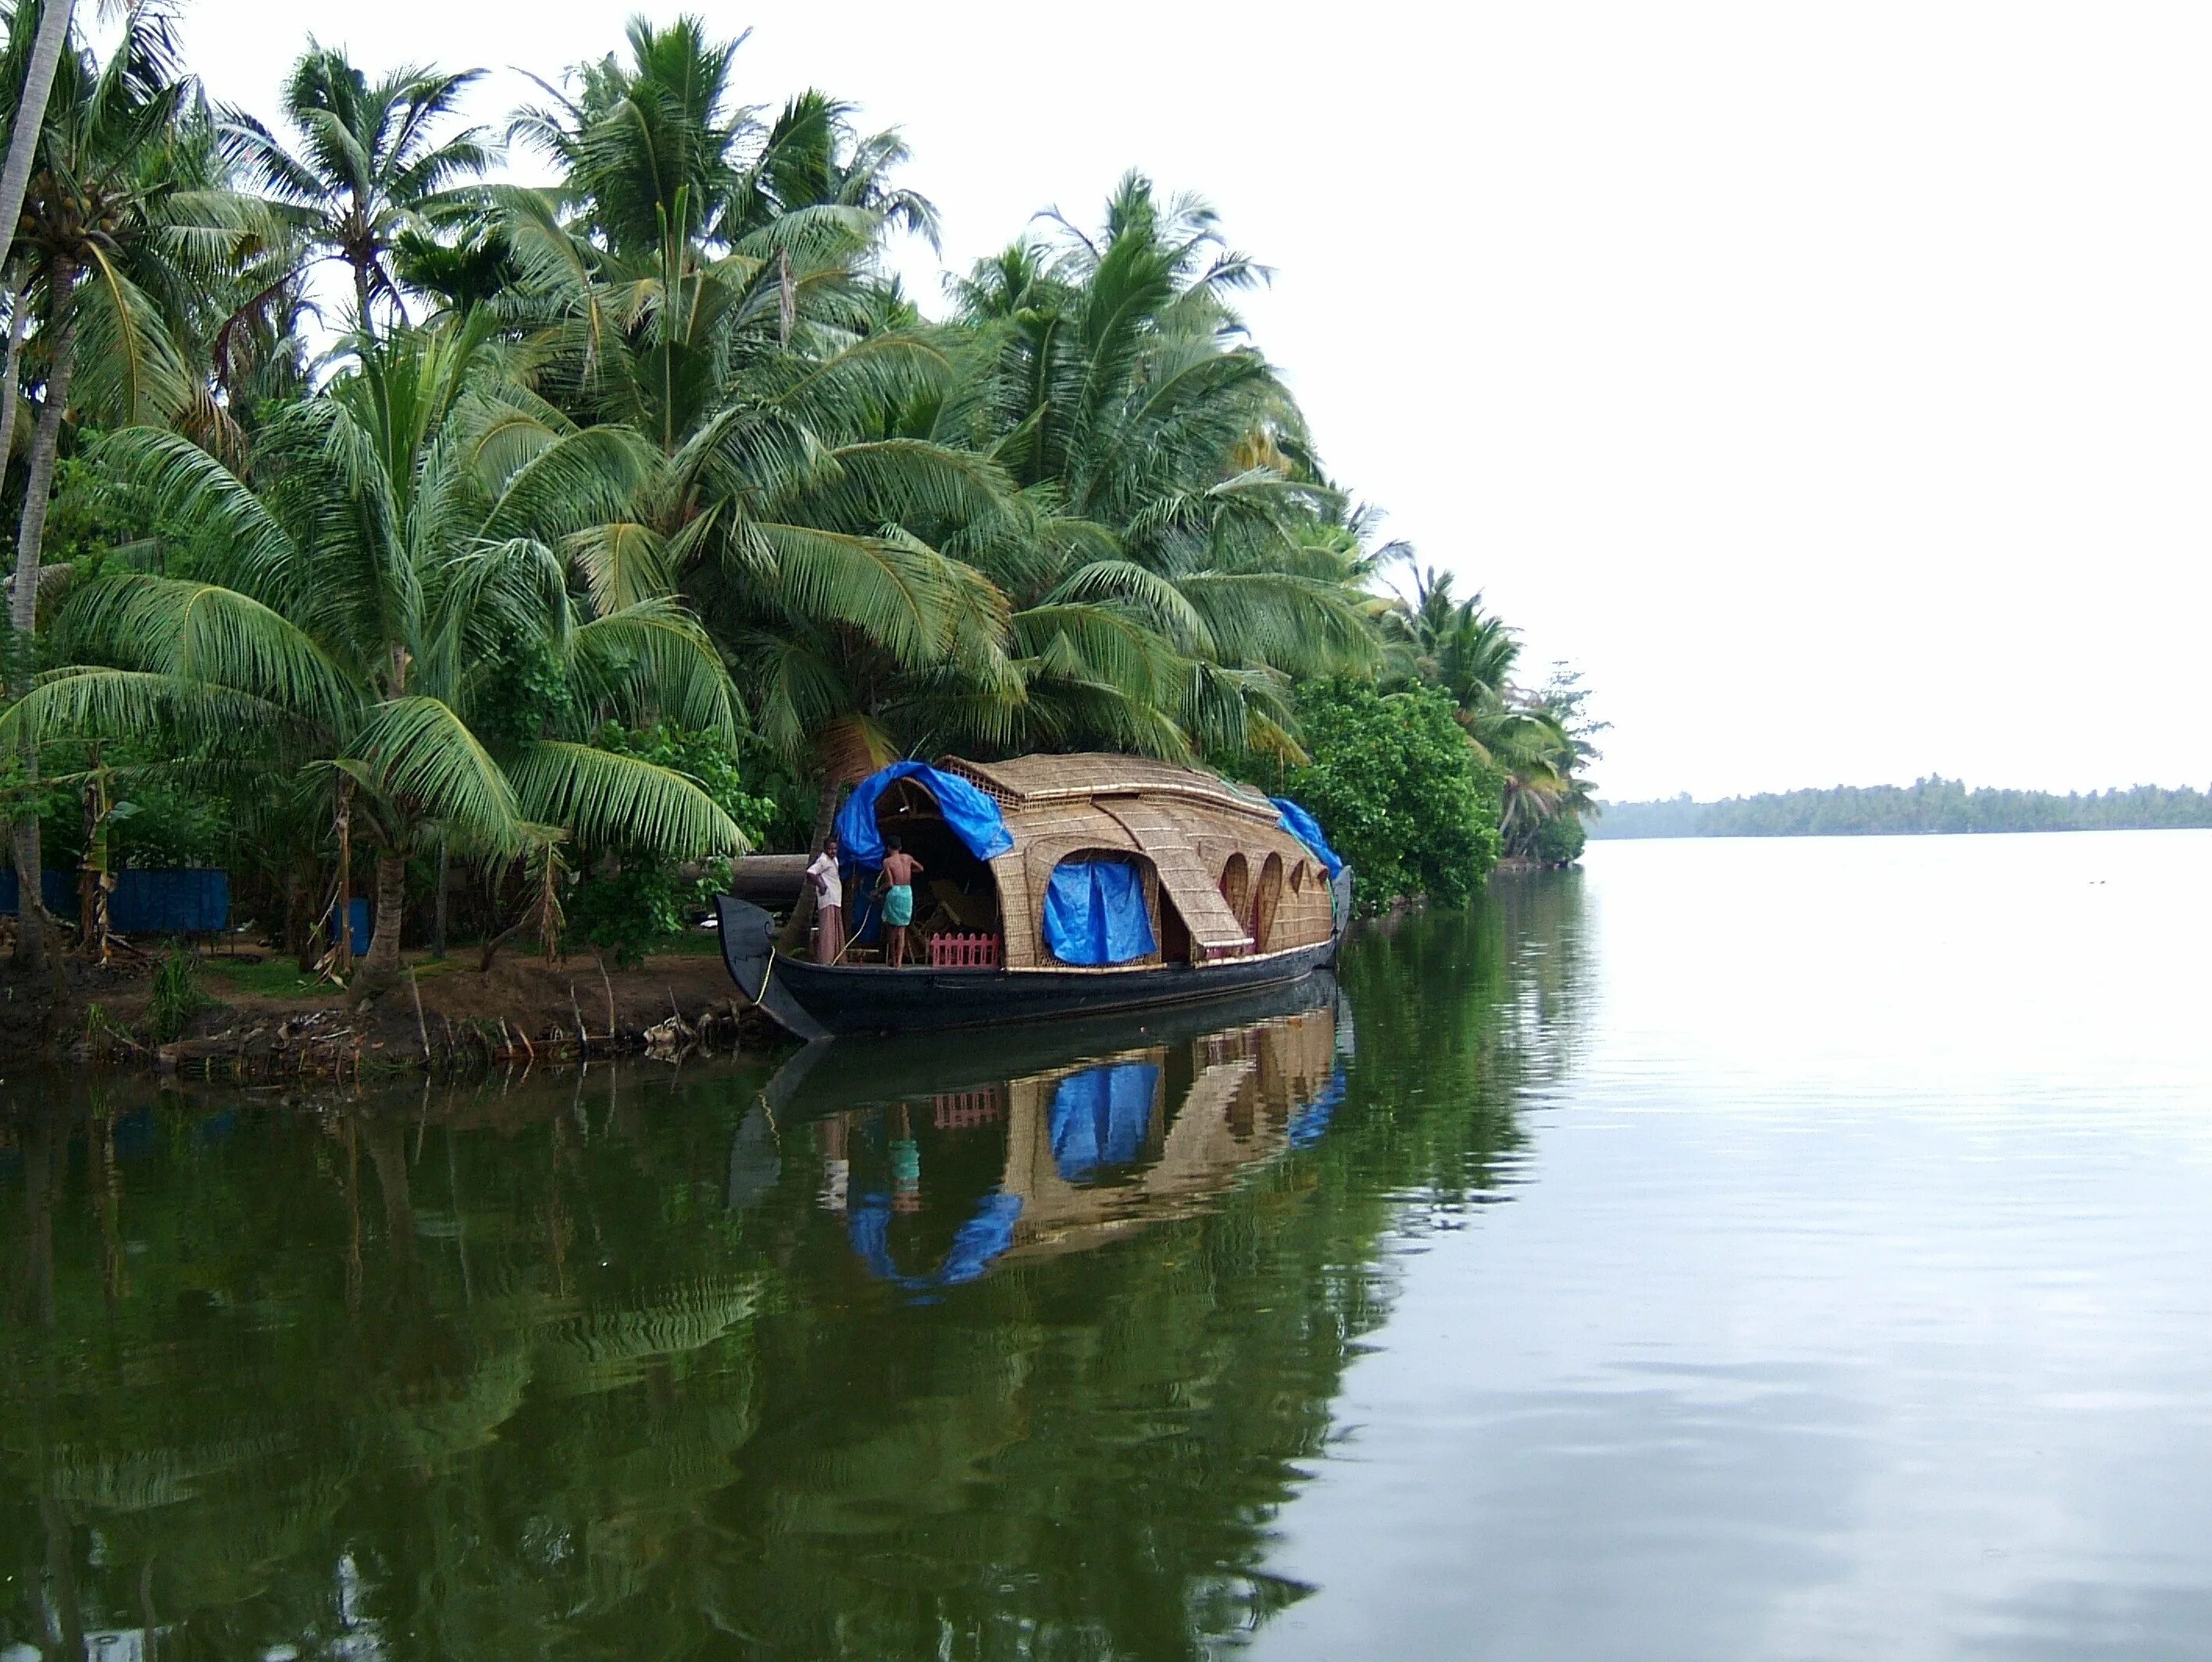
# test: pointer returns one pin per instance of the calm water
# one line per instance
(1754, 1249)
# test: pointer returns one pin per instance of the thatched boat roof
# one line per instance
(1028, 781)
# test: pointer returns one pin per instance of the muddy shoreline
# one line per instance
(257, 1018)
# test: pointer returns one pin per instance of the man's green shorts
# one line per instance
(898, 905)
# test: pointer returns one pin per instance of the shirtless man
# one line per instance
(899, 868)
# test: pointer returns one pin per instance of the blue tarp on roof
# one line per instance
(972, 815)
(1303, 826)
(1094, 913)
(1102, 1116)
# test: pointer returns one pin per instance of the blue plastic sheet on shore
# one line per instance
(362, 922)
(974, 817)
(183, 901)
(1101, 1117)
(1094, 913)
(1303, 826)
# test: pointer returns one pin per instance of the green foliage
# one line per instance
(1558, 840)
(636, 901)
(709, 760)
(1931, 806)
(176, 997)
(667, 457)
(1402, 794)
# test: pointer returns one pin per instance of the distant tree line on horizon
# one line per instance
(1930, 806)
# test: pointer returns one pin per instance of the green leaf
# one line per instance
(609, 800)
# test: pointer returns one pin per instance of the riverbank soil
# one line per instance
(256, 1013)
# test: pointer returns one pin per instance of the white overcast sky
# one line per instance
(1830, 383)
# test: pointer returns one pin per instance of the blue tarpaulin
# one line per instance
(189, 901)
(1094, 913)
(1303, 826)
(973, 816)
(975, 1243)
(1309, 1122)
(363, 923)
(1100, 1117)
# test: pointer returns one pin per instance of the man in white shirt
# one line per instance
(828, 905)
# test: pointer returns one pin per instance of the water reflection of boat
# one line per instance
(948, 1159)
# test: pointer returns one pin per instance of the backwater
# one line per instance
(1794, 1248)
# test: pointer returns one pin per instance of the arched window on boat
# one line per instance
(1265, 901)
(1095, 912)
(1237, 886)
(1298, 878)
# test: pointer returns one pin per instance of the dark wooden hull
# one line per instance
(817, 1000)
(854, 1072)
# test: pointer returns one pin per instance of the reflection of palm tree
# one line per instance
(42, 1151)
(387, 1149)
(599, 1348)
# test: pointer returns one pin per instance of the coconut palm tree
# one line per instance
(655, 145)
(27, 80)
(710, 283)
(1471, 654)
(813, 156)
(1181, 563)
(124, 230)
(371, 165)
(27, 76)
(359, 616)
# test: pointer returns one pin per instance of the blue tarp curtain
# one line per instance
(181, 901)
(987, 1234)
(1100, 1117)
(1309, 1122)
(974, 817)
(1303, 826)
(1094, 913)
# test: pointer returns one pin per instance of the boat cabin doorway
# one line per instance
(956, 921)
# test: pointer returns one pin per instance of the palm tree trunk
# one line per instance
(342, 905)
(19, 321)
(23, 615)
(438, 914)
(802, 914)
(361, 294)
(381, 963)
(31, 111)
(299, 917)
(45, 446)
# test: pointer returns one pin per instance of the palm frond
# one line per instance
(606, 799)
(424, 759)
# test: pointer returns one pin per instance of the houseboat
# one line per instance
(1050, 886)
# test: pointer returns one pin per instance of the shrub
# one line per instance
(633, 900)
(1558, 840)
(1402, 794)
(176, 998)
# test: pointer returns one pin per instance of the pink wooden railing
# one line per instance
(963, 952)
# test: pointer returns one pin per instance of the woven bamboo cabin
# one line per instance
(1059, 884)
(1221, 878)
